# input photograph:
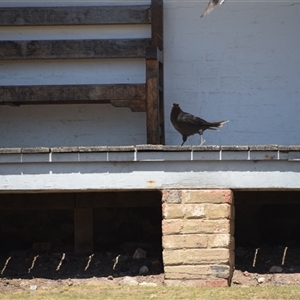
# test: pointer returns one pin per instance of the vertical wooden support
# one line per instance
(152, 78)
(161, 103)
(83, 225)
(154, 70)
(157, 23)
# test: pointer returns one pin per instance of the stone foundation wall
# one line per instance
(198, 241)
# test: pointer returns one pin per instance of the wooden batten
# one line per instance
(86, 15)
(129, 94)
(71, 49)
(157, 23)
(152, 77)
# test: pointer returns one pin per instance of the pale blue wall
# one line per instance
(242, 62)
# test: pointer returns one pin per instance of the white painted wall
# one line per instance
(242, 63)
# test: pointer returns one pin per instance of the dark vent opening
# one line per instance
(44, 234)
(267, 231)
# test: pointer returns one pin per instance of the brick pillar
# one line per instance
(198, 241)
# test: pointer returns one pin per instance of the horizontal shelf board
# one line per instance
(71, 49)
(81, 15)
(42, 94)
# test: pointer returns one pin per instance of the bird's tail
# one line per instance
(218, 124)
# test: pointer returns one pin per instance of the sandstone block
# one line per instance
(171, 196)
(207, 196)
(197, 271)
(172, 226)
(219, 240)
(184, 241)
(173, 211)
(196, 256)
(194, 211)
(172, 257)
(218, 211)
(206, 226)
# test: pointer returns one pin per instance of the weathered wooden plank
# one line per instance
(157, 23)
(87, 15)
(71, 93)
(119, 95)
(49, 49)
(153, 128)
(155, 115)
(83, 226)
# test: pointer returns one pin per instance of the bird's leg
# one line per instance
(202, 140)
(184, 138)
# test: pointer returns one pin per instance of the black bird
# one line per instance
(211, 5)
(187, 124)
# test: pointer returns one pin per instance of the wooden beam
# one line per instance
(36, 201)
(154, 69)
(117, 94)
(157, 40)
(86, 15)
(266, 197)
(56, 49)
(152, 77)
(83, 230)
(118, 199)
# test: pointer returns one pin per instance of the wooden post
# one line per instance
(157, 23)
(83, 227)
(157, 40)
(152, 91)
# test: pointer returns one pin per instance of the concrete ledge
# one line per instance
(159, 167)
(149, 148)
(10, 150)
(36, 150)
(107, 149)
(150, 153)
(263, 147)
(234, 148)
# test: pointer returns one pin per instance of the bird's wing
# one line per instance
(211, 5)
(189, 118)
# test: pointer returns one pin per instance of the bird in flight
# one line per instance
(211, 5)
(187, 124)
